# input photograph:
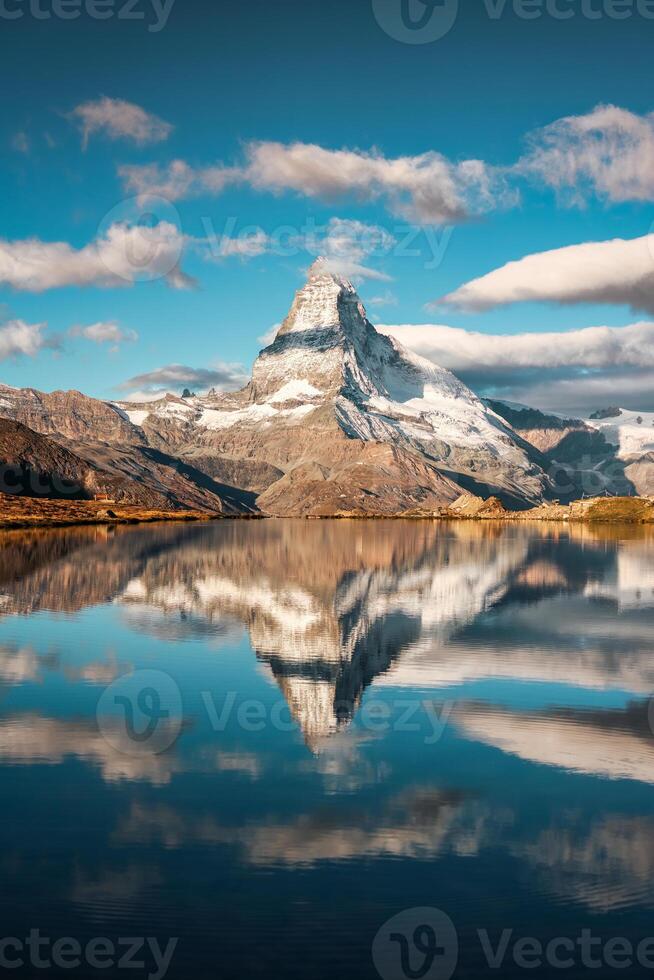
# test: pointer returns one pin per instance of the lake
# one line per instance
(327, 749)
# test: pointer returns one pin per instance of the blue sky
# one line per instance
(219, 79)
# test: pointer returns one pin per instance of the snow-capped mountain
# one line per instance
(338, 417)
(610, 452)
(341, 419)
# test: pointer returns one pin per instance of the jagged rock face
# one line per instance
(68, 414)
(151, 478)
(639, 471)
(34, 465)
(344, 419)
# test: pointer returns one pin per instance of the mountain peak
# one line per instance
(327, 301)
(317, 268)
(324, 268)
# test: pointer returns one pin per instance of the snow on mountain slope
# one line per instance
(613, 454)
(326, 350)
(631, 432)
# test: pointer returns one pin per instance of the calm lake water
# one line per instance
(266, 740)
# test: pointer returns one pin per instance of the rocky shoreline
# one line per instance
(597, 510)
(27, 512)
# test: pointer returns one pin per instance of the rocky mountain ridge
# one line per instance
(339, 419)
(611, 453)
(112, 459)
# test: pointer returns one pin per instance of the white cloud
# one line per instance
(581, 395)
(177, 180)
(20, 339)
(618, 271)
(124, 255)
(175, 377)
(342, 244)
(608, 152)
(355, 239)
(118, 119)
(346, 244)
(426, 188)
(592, 347)
(572, 371)
(340, 265)
(105, 332)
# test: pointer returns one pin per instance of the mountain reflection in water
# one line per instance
(519, 657)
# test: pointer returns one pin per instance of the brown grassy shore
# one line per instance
(468, 507)
(600, 510)
(30, 512)
(22, 512)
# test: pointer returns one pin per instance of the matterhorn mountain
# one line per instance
(338, 419)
